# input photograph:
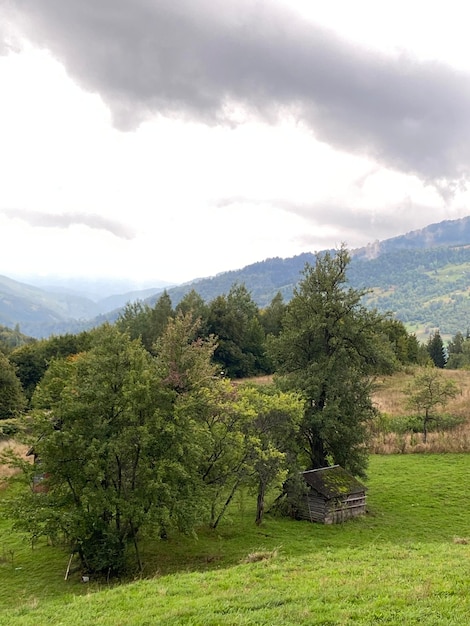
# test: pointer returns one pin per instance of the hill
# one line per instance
(423, 277)
(41, 312)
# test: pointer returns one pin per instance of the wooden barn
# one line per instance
(333, 496)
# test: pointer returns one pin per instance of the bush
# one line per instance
(404, 424)
(8, 429)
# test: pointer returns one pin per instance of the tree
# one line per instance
(247, 431)
(12, 399)
(32, 359)
(233, 319)
(436, 351)
(273, 430)
(140, 320)
(428, 391)
(12, 338)
(404, 345)
(459, 352)
(271, 316)
(118, 454)
(329, 347)
(194, 303)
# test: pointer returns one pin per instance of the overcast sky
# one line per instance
(175, 139)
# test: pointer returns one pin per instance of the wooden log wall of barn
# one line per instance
(342, 509)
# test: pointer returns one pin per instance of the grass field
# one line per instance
(390, 398)
(406, 562)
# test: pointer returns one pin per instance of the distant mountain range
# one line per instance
(423, 277)
(41, 312)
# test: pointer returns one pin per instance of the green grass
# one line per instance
(406, 562)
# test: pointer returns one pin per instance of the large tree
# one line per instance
(329, 346)
(117, 451)
(248, 431)
(234, 320)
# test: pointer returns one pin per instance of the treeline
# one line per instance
(456, 355)
(240, 327)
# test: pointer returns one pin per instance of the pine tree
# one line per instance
(436, 351)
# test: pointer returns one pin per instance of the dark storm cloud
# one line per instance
(195, 58)
(65, 220)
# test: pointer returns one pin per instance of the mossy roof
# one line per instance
(333, 481)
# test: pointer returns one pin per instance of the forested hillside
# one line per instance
(425, 289)
(422, 277)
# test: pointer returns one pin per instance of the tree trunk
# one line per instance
(425, 427)
(227, 502)
(316, 451)
(260, 502)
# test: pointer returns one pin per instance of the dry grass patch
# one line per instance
(391, 394)
(390, 398)
(262, 555)
(461, 541)
(5, 470)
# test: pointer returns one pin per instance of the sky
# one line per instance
(166, 140)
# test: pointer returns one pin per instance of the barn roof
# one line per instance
(333, 481)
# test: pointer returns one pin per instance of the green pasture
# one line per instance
(406, 562)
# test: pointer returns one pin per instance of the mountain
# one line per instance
(446, 233)
(42, 312)
(423, 277)
(93, 288)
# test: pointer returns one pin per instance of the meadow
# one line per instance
(392, 433)
(406, 562)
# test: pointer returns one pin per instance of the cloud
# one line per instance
(65, 220)
(188, 59)
(328, 221)
(357, 225)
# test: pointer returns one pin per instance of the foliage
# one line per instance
(404, 345)
(11, 338)
(428, 391)
(234, 320)
(32, 360)
(8, 429)
(248, 431)
(194, 304)
(277, 418)
(413, 423)
(116, 452)
(146, 323)
(329, 347)
(458, 352)
(12, 399)
(436, 351)
(271, 316)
